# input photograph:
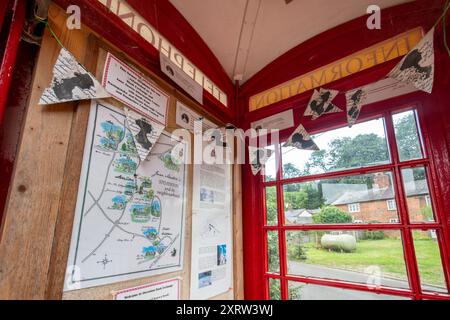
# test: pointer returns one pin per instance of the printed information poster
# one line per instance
(212, 247)
(164, 290)
(385, 89)
(134, 90)
(130, 215)
(279, 121)
(181, 78)
(186, 118)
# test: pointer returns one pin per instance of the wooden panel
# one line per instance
(32, 208)
(61, 241)
(41, 207)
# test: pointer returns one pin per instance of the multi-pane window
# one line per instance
(355, 220)
(391, 205)
(354, 207)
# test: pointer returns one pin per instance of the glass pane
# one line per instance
(362, 145)
(273, 257)
(270, 167)
(271, 206)
(368, 198)
(408, 140)
(371, 257)
(418, 198)
(429, 261)
(305, 291)
(274, 289)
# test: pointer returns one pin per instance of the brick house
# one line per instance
(378, 204)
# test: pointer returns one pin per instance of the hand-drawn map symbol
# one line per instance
(104, 261)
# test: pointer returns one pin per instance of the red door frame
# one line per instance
(434, 112)
(12, 45)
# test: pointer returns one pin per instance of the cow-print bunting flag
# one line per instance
(71, 82)
(355, 101)
(145, 132)
(301, 139)
(417, 67)
(258, 158)
(321, 103)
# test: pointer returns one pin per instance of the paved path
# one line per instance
(312, 292)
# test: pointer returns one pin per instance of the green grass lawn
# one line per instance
(386, 254)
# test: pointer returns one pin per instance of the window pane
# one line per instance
(418, 197)
(362, 145)
(305, 291)
(429, 261)
(351, 199)
(274, 289)
(269, 171)
(408, 140)
(273, 257)
(371, 257)
(271, 206)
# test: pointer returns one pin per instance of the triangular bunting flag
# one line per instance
(417, 67)
(71, 82)
(258, 158)
(355, 100)
(320, 103)
(145, 132)
(300, 139)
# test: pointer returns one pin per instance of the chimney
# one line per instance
(381, 181)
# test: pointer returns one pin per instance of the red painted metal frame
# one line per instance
(322, 49)
(434, 114)
(3, 8)
(405, 226)
(164, 17)
(10, 55)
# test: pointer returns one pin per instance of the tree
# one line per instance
(314, 199)
(295, 199)
(271, 205)
(290, 171)
(407, 138)
(346, 152)
(332, 215)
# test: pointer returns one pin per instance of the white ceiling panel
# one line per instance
(246, 35)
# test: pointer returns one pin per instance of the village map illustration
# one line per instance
(130, 214)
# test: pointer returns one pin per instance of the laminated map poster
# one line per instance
(129, 219)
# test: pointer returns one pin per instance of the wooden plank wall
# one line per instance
(39, 214)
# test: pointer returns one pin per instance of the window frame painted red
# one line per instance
(405, 227)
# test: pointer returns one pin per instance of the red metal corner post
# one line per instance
(9, 58)
(3, 9)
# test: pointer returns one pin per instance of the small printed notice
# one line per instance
(186, 118)
(164, 290)
(279, 121)
(385, 89)
(181, 78)
(134, 90)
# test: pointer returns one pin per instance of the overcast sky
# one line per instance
(300, 157)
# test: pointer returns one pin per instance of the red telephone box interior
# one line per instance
(387, 176)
